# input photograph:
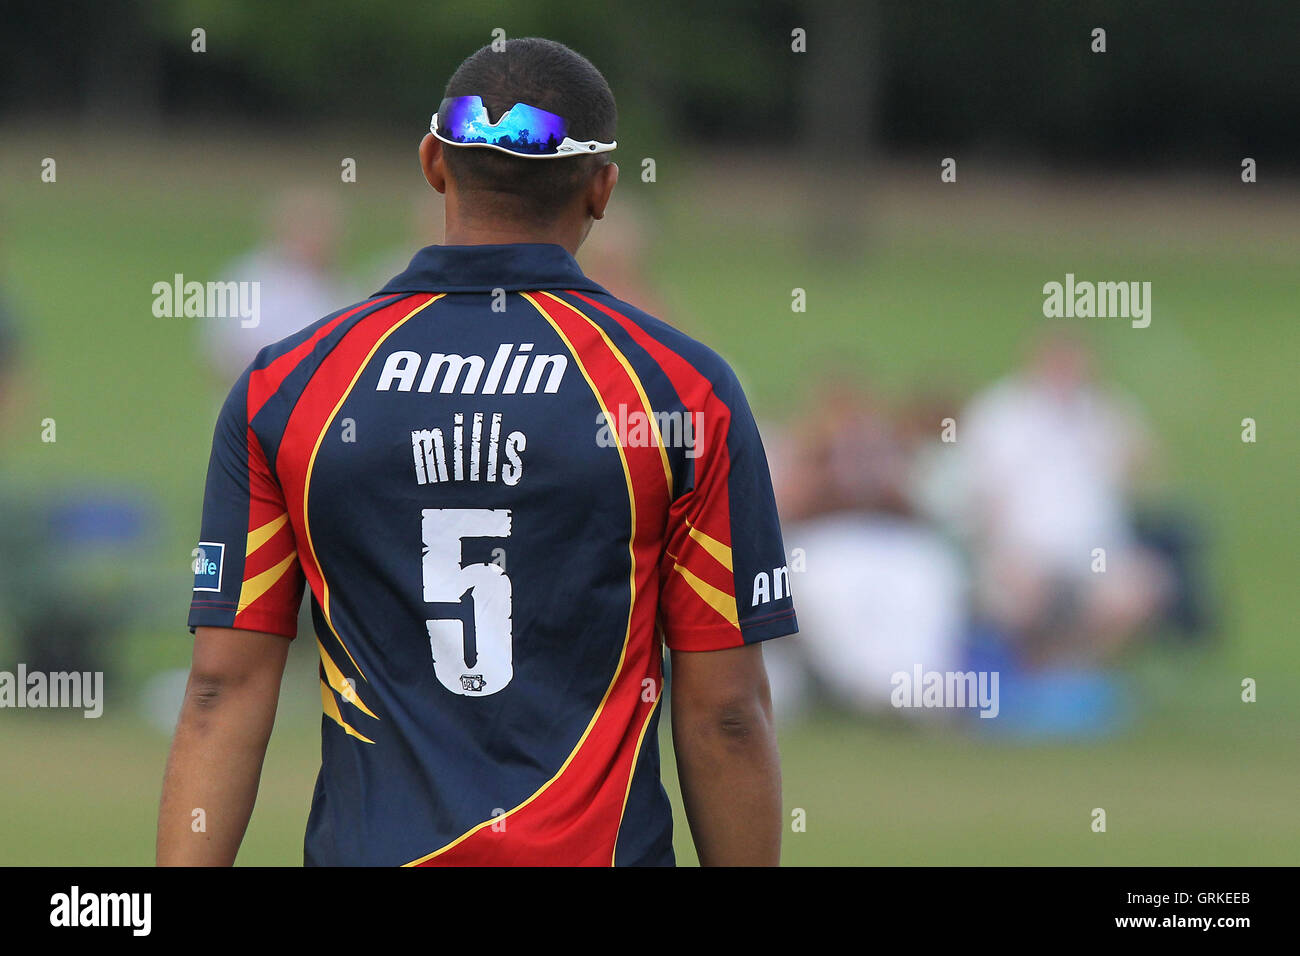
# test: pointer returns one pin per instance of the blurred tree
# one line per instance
(1182, 80)
(838, 88)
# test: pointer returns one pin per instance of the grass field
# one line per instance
(944, 290)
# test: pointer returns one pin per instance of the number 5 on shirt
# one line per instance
(471, 638)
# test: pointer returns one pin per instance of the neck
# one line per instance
(461, 230)
(481, 235)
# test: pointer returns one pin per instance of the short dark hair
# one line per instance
(552, 77)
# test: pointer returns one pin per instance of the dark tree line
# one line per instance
(1181, 81)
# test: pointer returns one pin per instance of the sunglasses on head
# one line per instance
(522, 130)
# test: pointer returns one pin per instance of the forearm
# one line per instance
(730, 773)
(214, 767)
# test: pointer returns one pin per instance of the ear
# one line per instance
(431, 161)
(600, 189)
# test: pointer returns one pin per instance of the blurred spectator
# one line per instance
(297, 269)
(933, 466)
(68, 558)
(846, 458)
(880, 591)
(1049, 458)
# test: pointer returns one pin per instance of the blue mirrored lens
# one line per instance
(523, 128)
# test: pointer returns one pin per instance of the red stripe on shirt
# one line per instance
(575, 819)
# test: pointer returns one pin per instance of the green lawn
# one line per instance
(943, 293)
(1194, 789)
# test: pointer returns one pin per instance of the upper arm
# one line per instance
(226, 658)
(716, 684)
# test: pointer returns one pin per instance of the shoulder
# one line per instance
(314, 341)
(280, 370)
(686, 361)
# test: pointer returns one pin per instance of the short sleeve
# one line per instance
(724, 578)
(246, 570)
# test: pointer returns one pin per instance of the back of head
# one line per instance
(549, 76)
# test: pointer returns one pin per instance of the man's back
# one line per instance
(500, 484)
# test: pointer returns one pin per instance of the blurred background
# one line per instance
(946, 458)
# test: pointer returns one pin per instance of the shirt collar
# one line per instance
(513, 267)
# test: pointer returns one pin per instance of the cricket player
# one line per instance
(507, 491)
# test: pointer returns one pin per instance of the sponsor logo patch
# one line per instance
(209, 557)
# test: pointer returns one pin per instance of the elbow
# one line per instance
(721, 701)
(206, 691)
(737, 723)
(740, 722)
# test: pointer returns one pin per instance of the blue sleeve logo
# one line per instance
(208, 560)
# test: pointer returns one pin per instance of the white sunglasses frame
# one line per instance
(568, 146)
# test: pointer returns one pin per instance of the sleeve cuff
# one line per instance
(254, 620)
(723, 636)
